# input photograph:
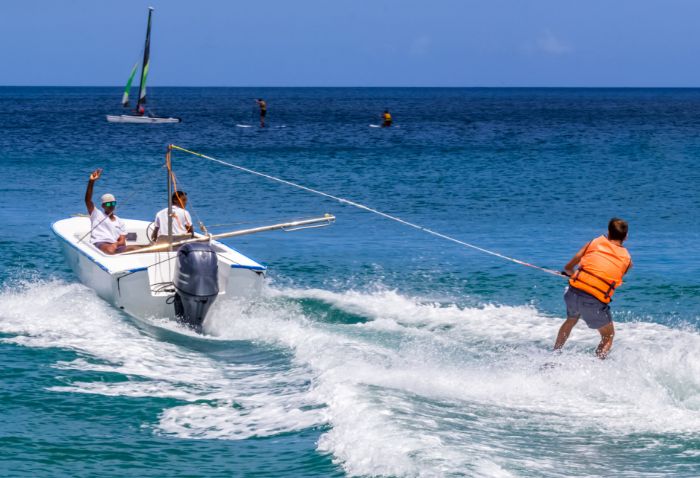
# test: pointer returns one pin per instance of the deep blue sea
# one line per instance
(375, 349)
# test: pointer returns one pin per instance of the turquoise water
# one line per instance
(375, 349)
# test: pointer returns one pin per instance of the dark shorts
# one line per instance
(580, 305)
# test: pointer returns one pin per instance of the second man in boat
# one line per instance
(181, 220)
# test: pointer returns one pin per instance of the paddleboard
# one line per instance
(266, 127)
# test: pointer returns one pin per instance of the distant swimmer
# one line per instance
(263, 111)
(386, 119)
(601, 265)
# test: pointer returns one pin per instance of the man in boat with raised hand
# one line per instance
(601, 265)
(181, 223)
(107, 231)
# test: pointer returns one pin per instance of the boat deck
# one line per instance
(75, 231)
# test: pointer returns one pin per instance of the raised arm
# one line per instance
(88, 192)
(569, 268)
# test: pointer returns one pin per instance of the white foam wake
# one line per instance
(414, 388)
(424, 388)
(220, 400)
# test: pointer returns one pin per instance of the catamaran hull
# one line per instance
(140, 119)
(143, 291)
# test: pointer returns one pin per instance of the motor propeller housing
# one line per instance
(196, 283)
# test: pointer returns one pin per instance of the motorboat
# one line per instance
(178, 281)
(175, 277)
(142, 285)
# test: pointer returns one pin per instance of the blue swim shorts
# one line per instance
(581, 305)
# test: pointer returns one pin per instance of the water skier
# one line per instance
(601, 265)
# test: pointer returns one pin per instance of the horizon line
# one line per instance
(356, 86)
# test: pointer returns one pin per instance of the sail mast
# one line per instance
(170, 197)
(144, 66)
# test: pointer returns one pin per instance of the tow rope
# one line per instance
(369, 209)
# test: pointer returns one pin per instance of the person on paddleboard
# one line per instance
(181, 223)
(386, 119)
(107, 231)
(601, 265)
(263, 111)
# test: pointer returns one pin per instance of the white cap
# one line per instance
(108, 198)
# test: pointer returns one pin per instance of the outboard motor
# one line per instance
(196, 283)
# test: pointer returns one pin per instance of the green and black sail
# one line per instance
(127, 90)
(144, 66)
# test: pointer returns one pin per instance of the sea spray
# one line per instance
(398, 386)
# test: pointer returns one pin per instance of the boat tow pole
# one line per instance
(291, 226)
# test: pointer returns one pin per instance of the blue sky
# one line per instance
(354, 42)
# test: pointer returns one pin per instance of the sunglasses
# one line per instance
(109, 204)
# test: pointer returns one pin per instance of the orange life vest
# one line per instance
(601, 269)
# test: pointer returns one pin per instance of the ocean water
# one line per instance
(375, 349)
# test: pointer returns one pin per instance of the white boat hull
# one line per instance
(140, 119)
(141, 284)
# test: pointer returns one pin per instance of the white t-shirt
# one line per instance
(104, 229)
(181, 219)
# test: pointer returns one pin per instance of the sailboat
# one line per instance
(140, 115)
